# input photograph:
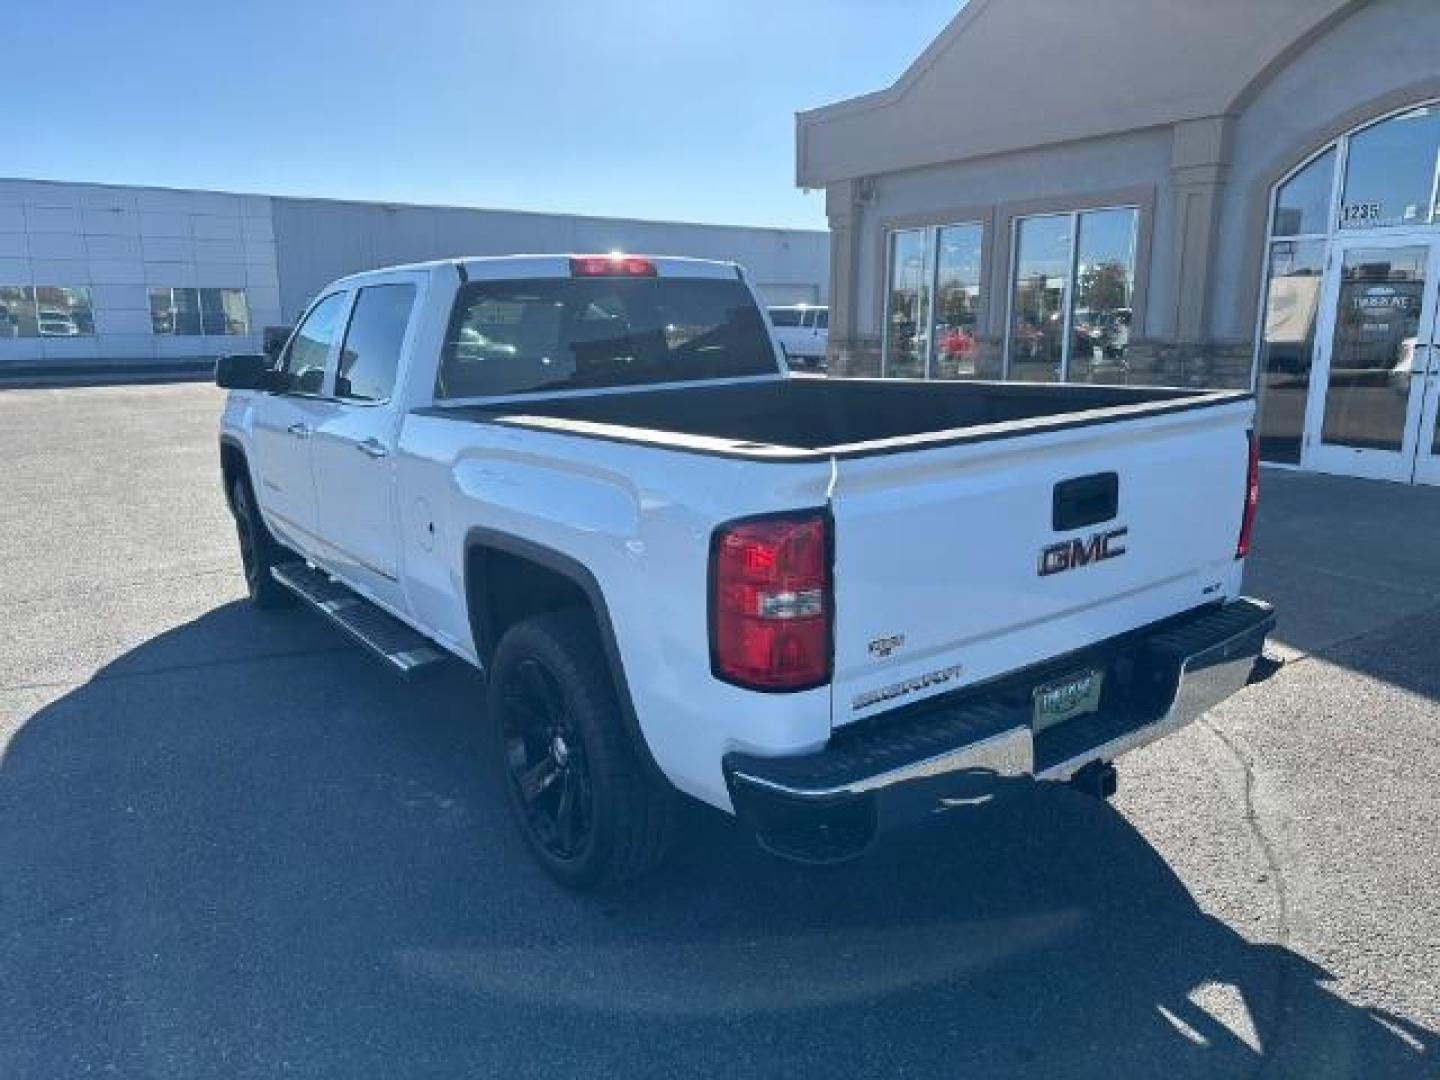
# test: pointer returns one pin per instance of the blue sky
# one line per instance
(673, 109)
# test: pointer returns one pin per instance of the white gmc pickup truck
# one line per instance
(827, 606)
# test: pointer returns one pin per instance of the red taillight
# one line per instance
(770, 602)
(1252, 499)
(611, 266)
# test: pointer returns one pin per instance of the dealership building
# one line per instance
(98, 276)
(1227, 194)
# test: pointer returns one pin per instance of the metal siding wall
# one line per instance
(119, 242)
(318, 241)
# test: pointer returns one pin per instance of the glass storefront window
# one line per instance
(46, 311)
(1392, 172)
(1072, 296)
(197, 312)
(223, 311)
(954, 343)
(1287, 344)
(1104, 291)
(1302, 205)
(933, 303)
(17, 311)
(1037, 313)
(907, 307)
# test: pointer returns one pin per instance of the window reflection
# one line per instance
(17, 311)
(1287, 344)
(1104, 290)
(1037, 320)
(1391, 172)
(1302, 205)
(50, 311)
(1435, 445)
(1072, 311)
(934, 300)
(1377, 319)
(370, 352)
(908, 306)
(197, 312)
(954, 344)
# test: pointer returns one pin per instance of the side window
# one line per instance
(371, 351)
(304, 360)
(822, 319)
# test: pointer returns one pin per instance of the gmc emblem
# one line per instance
(1071, 554)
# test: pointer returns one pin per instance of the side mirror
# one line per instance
(247, 371)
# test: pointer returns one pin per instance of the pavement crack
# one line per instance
(1252, 823)
(1279, 887)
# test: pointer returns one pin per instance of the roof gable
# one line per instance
(1011, 74)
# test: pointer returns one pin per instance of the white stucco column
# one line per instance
(842, 208)
(1199, 168)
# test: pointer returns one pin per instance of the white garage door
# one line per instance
(776, 295)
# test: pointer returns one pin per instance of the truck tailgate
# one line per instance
(958, 563)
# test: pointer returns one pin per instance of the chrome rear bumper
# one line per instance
(830, 805)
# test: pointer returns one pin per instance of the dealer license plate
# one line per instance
(1064, 699)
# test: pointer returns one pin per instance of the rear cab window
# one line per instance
(554, 334)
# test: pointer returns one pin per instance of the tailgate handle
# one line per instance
(1086, 500)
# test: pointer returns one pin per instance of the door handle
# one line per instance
(372, 448)
(299, 429)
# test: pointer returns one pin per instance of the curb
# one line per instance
(34, 376)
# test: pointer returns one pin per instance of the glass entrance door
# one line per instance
(1373, 397)
(1427, 456)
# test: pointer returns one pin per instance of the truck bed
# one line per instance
(806, 417)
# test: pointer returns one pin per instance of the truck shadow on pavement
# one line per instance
(222, 861)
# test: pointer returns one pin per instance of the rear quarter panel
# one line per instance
(640, 518)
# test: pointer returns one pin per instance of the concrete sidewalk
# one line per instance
(1342, 558)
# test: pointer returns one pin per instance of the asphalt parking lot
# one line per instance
(231, 845)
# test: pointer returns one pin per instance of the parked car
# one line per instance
(803, 332)
(827, 607)
(55, 323)
(956, 351)
(1404, 370)
(1113, 327)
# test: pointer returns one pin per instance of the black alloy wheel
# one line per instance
(545, 761)
(259, 551)
(245, 530)
(593, 812)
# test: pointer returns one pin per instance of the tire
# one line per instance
(591, 813)
(259, 550)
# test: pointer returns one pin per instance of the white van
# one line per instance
(803, 331)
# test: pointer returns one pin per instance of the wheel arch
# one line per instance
(559, 577)
(233, 464)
